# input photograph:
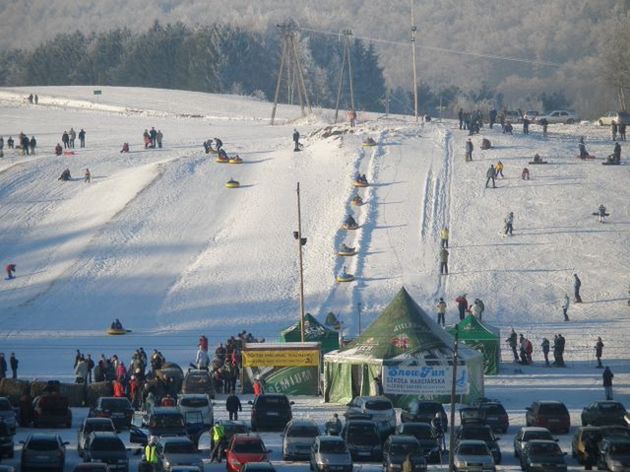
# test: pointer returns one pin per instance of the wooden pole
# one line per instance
(300, 244)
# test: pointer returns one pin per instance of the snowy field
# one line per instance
(158, 241)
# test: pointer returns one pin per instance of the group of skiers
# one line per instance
(152, 138)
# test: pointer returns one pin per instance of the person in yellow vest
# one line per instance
(444, 237)
(150, 454)
(218, 439)
(498, 169)
(441, 311)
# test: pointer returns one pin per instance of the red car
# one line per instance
(244, 448)
(552, 415)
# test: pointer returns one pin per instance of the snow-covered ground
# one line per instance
(158, 241)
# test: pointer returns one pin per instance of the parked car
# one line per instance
(513, 116)
(396, 449)
(542, 456)
(603, 413)
(425, 435)
(495, 416)
(185, 468)
(160, 421)
(43, 451)
(424, 412)
(258, 467)
(7, 445)
(178, 451)
(614, 454)
(330, 453)
(617, 117)
(6, 468)
(380, 410)
(528, 433)
(531, 115)
(7, 414)
(270, 411)
(188, 402)
(473, 456)
(552, 415)
(614, 431)
(244, 448)
(106, 447)
(119, 410)
(363, 440)
(481, 432)
(297, 439)
(580, 438)
(90, 425)
(51, 409)
(198, 381)
(91, 467)
(559, 116)
(230, 428)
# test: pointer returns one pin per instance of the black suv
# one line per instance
(481, 432)
(89, 426)
(118, 409)
(424, 412)
(363, 439)
(271, 412)
(106, 447)
(395, 452)
(6, 440)
(161, 421)
(495, 416)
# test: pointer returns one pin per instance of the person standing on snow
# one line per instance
(499, 169)
(490, 175)
(607, 378)
(462, 306)
(441, 312)
(158, 138)
(444, 237)
(613, 127)
(82, 138)
(512, 341)
(565, 307)
(444, 261)
(13, 362)
(460, 117)
(233, 405)
(599, 348)
(87, 176)
(545, 349)
(477, 309)
(153, 136)
(509, 221)
(10, 270)
(601, 213)
(202, 360)
(72, 134)
(469, 150)
(296, 140)
(577, 284)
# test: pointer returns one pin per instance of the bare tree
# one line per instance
(616, 59)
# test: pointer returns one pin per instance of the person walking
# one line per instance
(599, 348)
(577, 284)
(150, 454)
(13, 362)
(613, 127)
(512, 341)
(82, 138)
(87, 176)
(607, 378)
(444, 237)
(622, 131)
(233, 405)
(296, 140)
(545, 349)
(218, 440)
(3, 366)
(258, 387)
(441, 312)
(462, 306)
(443, 261)
(565, 307)
(10, 270)
(490, 175)
(509, 222)
(469, 150)
(378, 385)
(499, 169)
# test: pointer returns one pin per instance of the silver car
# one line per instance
(178, 451)
(189, 402)
(379, 409)
(7, 414)
(330, 454)
(527, 433)
(297, 439)
(472, 455)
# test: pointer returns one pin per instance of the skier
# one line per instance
(509, 221)
(441, 311)
(601, 213)
(462, 305)
(82, 138)
(444, 237)
(599, 347)
(577, 284)
(512, 342)
(296, 140)
(499, 169)
(490, 174)
(10, 270)
(444, 261)
(469, 150)
(87, 176)
(565, 307)
(607, 377)
(545, 349)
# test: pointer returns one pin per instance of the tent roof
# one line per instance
(313, 329)
(403, 327)
(473, 329)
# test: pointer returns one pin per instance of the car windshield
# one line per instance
(167, 421)
(403, 448)
(362, 434)
(249, 447)
(115, 404)
(482, 434)
(553, 409)
(378, 405)
(272, 401)
(303, 431)
(180, 447)
(420, 432)
(545, 450)
(473, 450)
(198, 379)
(332, 447)
(611, 407)
(529, 435)
(620, 449)
(194, 402)
(98, 426)
(43, 444)
(5, 405)
(108, 444)
(618, 431)
(493, 409)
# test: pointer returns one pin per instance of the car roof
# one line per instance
(542, 441)
(198, 372)
(46, 436)
(272, 395)
(352, 421)
(548, 402)
(533, 428)
(177, 439)
(372, 397)
(301, 422)
(416, 424)
(328, 438)
(165, 410)
(403, 438)
(104, 434)
(193, 395)
(474, 442)
(617, 440)
(607, 402)
(246, 438)
(97, 419)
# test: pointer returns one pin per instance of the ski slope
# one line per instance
(158, 241)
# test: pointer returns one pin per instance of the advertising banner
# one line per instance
(424, 380)
(281, 358)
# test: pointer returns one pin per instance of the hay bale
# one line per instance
(74, 392)
(98, 389)
(14, 389)
(38, 387)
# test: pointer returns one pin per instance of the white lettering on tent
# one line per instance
(424, 380)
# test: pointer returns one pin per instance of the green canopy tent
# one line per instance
(483, 338)
(313, 331)
(404, 337)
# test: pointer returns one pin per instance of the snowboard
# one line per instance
(597, 214)
(536, 163)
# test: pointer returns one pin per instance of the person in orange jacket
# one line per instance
(258, 388)
(119, 390)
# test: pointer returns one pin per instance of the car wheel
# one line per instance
(570, 121)
(601, 123)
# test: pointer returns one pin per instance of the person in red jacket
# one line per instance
(10, 269)
(119, 390)
(167, 401)
(462, 306)
(258, 388)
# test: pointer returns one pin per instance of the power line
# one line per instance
(440, 49)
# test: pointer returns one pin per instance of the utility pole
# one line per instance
(359, 312)
(413, 60)
(295, 77)
(346, 59)
(451, 447)
(301, 242)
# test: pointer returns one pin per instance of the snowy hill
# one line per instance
(158, 241)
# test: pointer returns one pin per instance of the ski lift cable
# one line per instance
(440, 49)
